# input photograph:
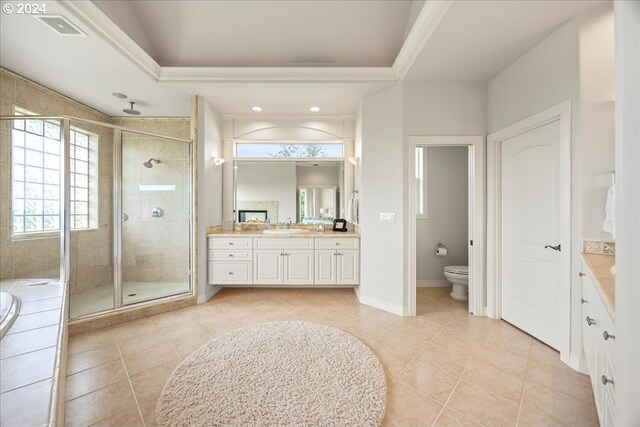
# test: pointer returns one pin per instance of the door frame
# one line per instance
(561, 112)
(476, 217)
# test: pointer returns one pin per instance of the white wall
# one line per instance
(446, 196)
(627, 46)
(381, 179)
(596, 126)
(269, 182)
(209, 187)
(314, 176)
(552, 72)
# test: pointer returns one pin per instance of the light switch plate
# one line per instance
(387, 217)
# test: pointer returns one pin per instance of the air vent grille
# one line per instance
(61, 25)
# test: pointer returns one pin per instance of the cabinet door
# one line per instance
(325, 267)
(348, 267)
(267, 267)
(298, 267)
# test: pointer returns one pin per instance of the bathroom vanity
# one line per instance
(292, 259)
(598, 331)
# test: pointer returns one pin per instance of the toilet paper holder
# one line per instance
(441, 249)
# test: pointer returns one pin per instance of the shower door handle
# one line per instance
(125, 217)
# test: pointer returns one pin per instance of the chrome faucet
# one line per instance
(289, 222)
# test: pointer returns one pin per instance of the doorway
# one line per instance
(529, 228)
(472, 148)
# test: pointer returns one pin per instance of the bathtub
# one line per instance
(9, 309)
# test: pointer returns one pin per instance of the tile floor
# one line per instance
(444, 367)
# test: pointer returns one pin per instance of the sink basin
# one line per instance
(285, 231)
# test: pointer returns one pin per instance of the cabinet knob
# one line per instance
(582, 300)
(230, 243)
(606, 335)
(581, 274)
(590, 321)
(230, 255)
(337, 243)
(606, 380)
(231, 273)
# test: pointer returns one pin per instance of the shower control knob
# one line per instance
(157, 212)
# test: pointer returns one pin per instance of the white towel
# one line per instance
(352, 210)
(609, 212)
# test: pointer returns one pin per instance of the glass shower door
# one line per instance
(155, 218)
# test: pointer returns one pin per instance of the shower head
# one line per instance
(149, 164)
(131, 110)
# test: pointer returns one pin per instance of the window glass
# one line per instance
(284, 150)
(35, 161)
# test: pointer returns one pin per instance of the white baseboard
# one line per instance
(209, 292)
(577, 364)
(376, 303)
(433, 284)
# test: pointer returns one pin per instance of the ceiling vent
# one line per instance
(61, 25)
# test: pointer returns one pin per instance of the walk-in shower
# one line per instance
(108, 205)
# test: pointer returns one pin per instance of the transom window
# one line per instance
(298, 150)
(36, 180)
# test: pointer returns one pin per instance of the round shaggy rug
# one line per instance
(277, 374)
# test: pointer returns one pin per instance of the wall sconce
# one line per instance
(353, 160)
(218, 161)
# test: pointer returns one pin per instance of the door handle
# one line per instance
(555, 248)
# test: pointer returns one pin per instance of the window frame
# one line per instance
(92, 175)
(237, 143)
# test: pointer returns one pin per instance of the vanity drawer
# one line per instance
(230, 243)
(284, 243)
(230, 272)
(230, 255)
(333, 243)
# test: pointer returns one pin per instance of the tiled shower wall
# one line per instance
(155, 249)
(40, 257)
(159, 249)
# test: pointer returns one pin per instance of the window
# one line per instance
(36, 149)
(302, 150)
(421, 161)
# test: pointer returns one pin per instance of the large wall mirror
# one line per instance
(306, 192)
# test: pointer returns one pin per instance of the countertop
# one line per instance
(600, 271)
(306, 234)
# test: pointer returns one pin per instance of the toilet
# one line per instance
(458, 275)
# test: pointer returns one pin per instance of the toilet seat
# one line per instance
(457, 269)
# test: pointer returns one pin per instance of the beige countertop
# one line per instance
(600, 271)
(306, 234)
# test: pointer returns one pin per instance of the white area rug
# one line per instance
(277, 374)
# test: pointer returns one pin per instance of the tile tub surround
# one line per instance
(33, 356)
(444, 366)
(600, 271)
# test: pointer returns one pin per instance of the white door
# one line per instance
(298, 267)
(532, 261)
(267, 267)
(325, 267)
(348, 267)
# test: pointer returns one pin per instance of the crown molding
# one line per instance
(94, 19)
(277, 74)
(428, 20)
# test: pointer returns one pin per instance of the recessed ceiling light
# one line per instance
(119, 95)
(314, 109)
(256, 109)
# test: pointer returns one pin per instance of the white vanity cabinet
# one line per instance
(283, 261)
(295, 261)
(339, 266)
(598, 337)
(230, 261)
